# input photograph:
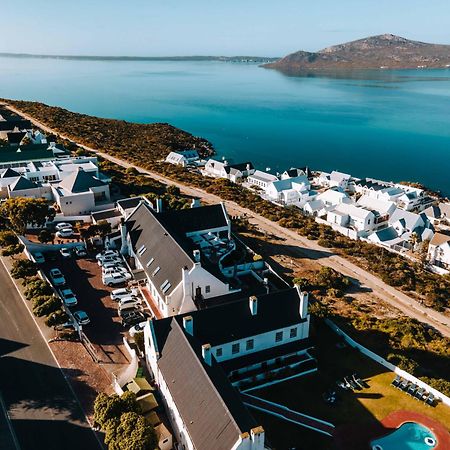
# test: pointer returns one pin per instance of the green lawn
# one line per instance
(364, 407)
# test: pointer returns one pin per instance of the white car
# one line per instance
(127, 308)
(102, 255)
(62, 225)
(57, 277)
(129, 301)
(64, 233)
(39, 258)
(80, 251)
(117, 294)
(111, 279)
(65, 252)
(112, 265)
(108, 259)
(138, 328)
(68, 297)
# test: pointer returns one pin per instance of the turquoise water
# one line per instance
(409, 436)
(393, 125)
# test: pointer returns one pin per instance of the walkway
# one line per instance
(288, 414)
(302, 247)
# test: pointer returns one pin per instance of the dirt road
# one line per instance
(301, 246)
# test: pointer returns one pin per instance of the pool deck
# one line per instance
(359, 437)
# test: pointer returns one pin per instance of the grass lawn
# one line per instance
(365, 407)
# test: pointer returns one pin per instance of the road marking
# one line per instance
(53, 355)
(8, 422)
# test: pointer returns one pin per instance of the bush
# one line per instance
(40, 300)
(38, 288)
(57, 317)
(23, 268)
(8, 238)
(46, 308)
(11, 250)
(46, 236)
(139, 341)
(109, 407)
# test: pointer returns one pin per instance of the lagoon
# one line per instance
(391, 125)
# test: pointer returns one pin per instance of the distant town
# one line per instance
(180, 322)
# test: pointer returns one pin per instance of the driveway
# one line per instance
(38, 410)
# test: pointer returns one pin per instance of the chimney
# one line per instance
(303, 302)
(123, 238)
(188, 325)
(253, 304)
(257, 437)
(159, 207)
(195, 203)
(206, 353)
(247, 167)
(196, 254)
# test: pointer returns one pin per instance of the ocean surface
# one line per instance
(391, 125)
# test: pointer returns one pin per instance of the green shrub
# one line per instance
(37, 288)
(23, 268)
(8, 238)
(57, 317)
(46, 308)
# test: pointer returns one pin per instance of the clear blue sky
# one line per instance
(211, 27)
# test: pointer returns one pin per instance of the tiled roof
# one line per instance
(80, 181)
(440, 238)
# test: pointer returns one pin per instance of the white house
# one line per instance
(183, 157)
(295, 172)
(289, 190)
(261, 179)
(200, 360)
(438, 213)
(177, 252)
(232, 172)
(382, 209)
(439, 251)
(333, 197)
(339, 180)
(353, 217)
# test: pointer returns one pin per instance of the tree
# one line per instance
(20, 211)
(130, 432)
(13, 250)
(103, 228)
(8, 238)
(46, 308)
(46, 236)
(57, 317)
(107, 407)
(38, 288)
(23, 268)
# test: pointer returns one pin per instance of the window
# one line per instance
(156, 271)
(250, 344)
(141, 250)
(207, 289)
(278, 336)
(235, 349)
(148, 264)
(293, 333)
(219, 352)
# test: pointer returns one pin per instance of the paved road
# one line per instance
(38, 410)
(303, 247)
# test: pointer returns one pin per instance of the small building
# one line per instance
(232, 172)
(439, 251)
(339, 180)
(382, 209)
(296, 172)
(183, 158)
(288, 191)
(353, 217)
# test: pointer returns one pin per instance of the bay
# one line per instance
(390, 125)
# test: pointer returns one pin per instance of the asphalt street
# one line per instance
(38, 410)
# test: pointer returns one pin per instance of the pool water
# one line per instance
(409, 436)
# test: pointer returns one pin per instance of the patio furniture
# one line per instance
(396, 381)
(404, 385)
(352, 384)
(420, 393)
(430, 400)
(412, 389)
(359, 381)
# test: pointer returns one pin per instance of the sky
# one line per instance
(211, 27)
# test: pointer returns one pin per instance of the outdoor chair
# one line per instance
(404, 385)
(430, 400)
(396, 381)
(419, 394)
(412, 389)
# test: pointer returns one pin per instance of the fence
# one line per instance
(407, 376)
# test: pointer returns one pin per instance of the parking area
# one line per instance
(105, 332)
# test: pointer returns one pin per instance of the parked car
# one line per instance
(138, 328)
(112, 265)
(105, 253)
(62, 225)
(57, 277)
(117, 294)
(114, 278)
(131, 318)
(129, 301)
(80, 251)
(120, 270)
(65, 252)
(81, 317)
(39, 258)
(127, 308)
(109, 259)
(68, 297)
(64, 233)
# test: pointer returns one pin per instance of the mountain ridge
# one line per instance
(383, 51)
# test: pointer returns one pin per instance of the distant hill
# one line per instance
(385, 51)
(249, 59)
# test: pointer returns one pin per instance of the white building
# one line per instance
(197, 358)
(232, 172)
(382, 209)
(353, 217)
(183, 158)
(289, 190)
(439, 251)
(179, 253)
(261, 179)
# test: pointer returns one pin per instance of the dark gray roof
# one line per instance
(107, 214)
(80, 181)
(145, 230)
(208, 404)
(128, 203)
(15, 137)
(22, 183)
(10, 173)
(238, 167)
(387, 234)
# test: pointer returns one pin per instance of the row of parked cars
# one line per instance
(114, 271)
(130, 309)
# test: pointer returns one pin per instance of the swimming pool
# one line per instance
(409, 436)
